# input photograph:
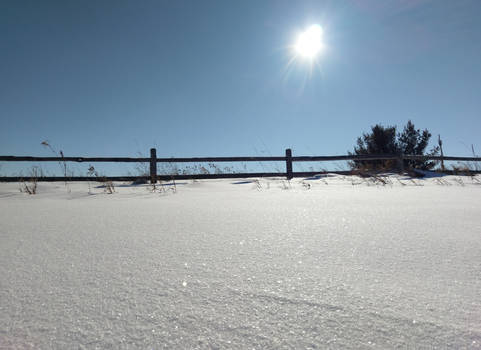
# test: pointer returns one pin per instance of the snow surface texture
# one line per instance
(334, 262)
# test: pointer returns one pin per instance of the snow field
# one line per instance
(243, 265)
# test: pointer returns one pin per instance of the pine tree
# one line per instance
(385, 141)
(414, 142)
(381, 140)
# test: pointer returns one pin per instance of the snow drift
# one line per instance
(334, 262)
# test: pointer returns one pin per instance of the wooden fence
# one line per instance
(288, 158)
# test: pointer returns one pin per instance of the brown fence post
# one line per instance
(400, 163)
(289, 163)
(153, 166)
(440, 143)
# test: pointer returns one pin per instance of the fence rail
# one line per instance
(154, 177)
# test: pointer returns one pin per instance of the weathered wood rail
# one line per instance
(154, 177)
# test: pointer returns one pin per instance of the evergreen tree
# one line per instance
(381, 140)
(414, 142)
(385, 141)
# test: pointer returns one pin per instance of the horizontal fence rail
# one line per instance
(154, 177)
(139, 160)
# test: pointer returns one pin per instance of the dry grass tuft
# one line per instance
(30, 187)
(107, 184)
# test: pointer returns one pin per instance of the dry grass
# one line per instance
(107, 184)
(30, 186)
(62, 164)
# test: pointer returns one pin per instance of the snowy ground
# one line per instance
(337, 262)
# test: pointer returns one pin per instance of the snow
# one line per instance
(330, 262)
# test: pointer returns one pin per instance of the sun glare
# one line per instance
(309, 43)
(304, 54)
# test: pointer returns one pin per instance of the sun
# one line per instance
(309, 43)
(303, 54)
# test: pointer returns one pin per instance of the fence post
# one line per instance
(440, 143)
(400, 162)
(153, 166)
(289, 163)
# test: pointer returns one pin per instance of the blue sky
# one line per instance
(211, 78)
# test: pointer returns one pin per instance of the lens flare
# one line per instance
(309, 43)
